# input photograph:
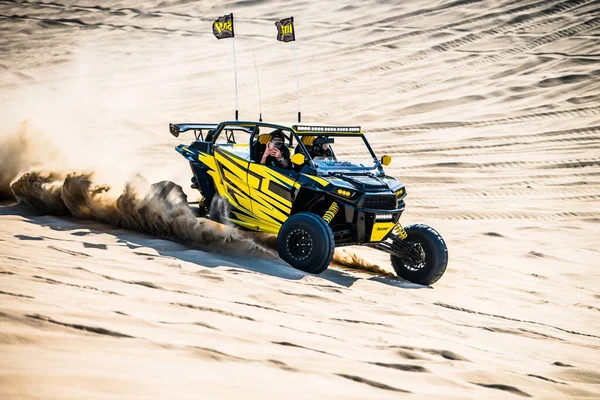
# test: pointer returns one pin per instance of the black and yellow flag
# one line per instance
(285, 30)
(223, 27)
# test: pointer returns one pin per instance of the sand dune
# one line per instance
(489, 109)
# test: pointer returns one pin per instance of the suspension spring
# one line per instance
(330, 214)
(399, 230)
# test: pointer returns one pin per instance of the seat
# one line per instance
(264, 138)
(307, 141)
(259, 146)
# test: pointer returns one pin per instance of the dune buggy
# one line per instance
(317, 202)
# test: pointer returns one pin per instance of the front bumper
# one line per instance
(362, 225)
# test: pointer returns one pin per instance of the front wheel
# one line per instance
(424, 255)
(305, 241)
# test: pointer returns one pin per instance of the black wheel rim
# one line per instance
(299, 244)
(414, 256)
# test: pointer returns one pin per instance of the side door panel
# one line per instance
(233, 171)
(271, 196)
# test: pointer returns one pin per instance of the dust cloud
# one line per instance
(160, 209)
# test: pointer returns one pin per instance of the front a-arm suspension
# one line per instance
(397, 245)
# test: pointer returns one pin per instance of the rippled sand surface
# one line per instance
(109, 288)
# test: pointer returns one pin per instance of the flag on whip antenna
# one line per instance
(285, 30)
(223, 27)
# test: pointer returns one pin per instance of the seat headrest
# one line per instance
(308, 140)
(264, 138)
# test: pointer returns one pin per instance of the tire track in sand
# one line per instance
(453, 73)
(387, 66)
(469, 311)
(571, 113)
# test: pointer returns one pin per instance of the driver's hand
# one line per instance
(275, 153)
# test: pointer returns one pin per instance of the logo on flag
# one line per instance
(285, 30)
(223, 27)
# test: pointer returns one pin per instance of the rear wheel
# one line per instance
(305, 241)
(424, 255)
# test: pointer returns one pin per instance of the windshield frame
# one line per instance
(315, 166)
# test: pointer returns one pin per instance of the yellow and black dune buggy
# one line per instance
(318, 200)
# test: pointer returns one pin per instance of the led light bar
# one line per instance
(384, 217)
(332, 129)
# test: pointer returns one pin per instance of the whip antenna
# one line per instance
(257, 84)
(297, 78)
(223, 29)
(235, 78)
(287, 33)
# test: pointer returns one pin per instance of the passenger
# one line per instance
(276, 154)
(321, 149)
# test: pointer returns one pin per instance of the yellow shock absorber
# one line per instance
(201, 202)
(399, 230)
(330, 214)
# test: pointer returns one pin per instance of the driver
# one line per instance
(276, 154)
(320, 148)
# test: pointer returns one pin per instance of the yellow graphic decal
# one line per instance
(321, 181)
(257, 225)
(273, 211)
(208, 160)
(258, 180)
(265, 189)
(260, 190)
(252, 223)
(233, 185)
(380, 230)
(279, 177)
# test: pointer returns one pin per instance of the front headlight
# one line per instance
(344, 192)
(400, 192)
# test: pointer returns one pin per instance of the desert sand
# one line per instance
(490, 110)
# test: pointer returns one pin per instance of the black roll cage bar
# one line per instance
(251, 127)
(246, 125)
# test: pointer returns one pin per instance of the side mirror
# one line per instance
(298, 159)
(386, 160)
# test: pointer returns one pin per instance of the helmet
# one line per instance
(277, 137)
(319, 147)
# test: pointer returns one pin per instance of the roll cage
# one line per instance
(214, 131)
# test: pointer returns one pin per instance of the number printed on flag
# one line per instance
(223, 27)
(285, 30)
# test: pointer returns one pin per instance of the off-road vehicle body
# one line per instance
(317, 203)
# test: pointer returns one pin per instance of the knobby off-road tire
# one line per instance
(431, 255)
(305, 241)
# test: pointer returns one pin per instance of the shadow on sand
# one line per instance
(164, 247)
